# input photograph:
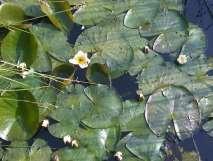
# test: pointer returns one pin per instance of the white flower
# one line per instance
(80, 59)
(182, 59)
(67, 139)
(82, 27)
(45, 123)
(119, 155)
(24, 74)
(22, 66)
(74, 143)
(140, 93)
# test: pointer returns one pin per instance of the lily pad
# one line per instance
(40, 151)
(173, 105)
(15, 50)
(106, 107)
(146, 148)
(17, 151)
(98, 73)
(11, 14)
(53, 41)
(30, 7)
(59, 13)
(142, 14)
(73, 106)
(67, 154)
(170, 29)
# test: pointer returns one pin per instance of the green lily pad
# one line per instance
(92, 12)
(106, 107)
(19, 116)
(67, 154)
(142, 14)
(17, 151)
(158, 76)
(173, 104)
(30, 7)
(53, 41)
(40, 151)
(59, 13)
(194, 49)
(112, 44)
(98, 73)
(146, 148)
(72, 106)
(142, 61)
(170, 29)
(15, 50)
(98, 141)
(11, 14)
(132, 119)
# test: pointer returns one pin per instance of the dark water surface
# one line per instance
(197, 12)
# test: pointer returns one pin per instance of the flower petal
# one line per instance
(73, 61)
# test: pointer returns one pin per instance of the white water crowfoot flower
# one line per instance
(140, 94)
(45, 123)
(182, 59)
(67, 139)
(74, 143)
(80, 59)
(119, 156)
(22, 66)
(24, 74)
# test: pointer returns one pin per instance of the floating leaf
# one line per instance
(11, 14)
(53, 41)
(98, 141)
(132, 118)
(17, 151)
(15, 50)
(98, 73)
(67, 154)
(194, 49)
(92, 12)
(146, 148)
(40, 151)
(59, 13)
(172, 104)
(30, 7)
(112, 45)
(106, 107)
(72, 105)
(142, 14)
(170, 29)
(19, 116)
(142, 61)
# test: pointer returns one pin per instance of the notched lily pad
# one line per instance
(173, 105)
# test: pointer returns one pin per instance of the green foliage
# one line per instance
(148, 39)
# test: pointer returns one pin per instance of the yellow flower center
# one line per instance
(81, 60)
